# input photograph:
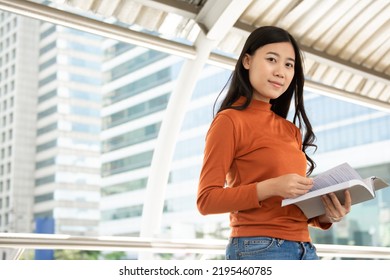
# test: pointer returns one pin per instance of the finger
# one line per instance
(329, 207)
(304, 188)
(305, 184)
(328, 203)
(348, 201)
(297, 192)
(335, 201)
(341, 210)
(306, 181)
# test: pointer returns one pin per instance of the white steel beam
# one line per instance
(100, 28)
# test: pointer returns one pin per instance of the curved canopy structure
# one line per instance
(346, 43)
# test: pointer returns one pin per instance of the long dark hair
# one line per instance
(241, 86)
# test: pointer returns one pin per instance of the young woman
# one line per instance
(254, 157)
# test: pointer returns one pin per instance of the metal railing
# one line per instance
(20, 242)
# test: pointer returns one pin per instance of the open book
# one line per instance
(336, 180)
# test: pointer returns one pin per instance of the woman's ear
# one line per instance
(246, 61)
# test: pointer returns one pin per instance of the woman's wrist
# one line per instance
(334, 219)
(264, 189)
(327, 219)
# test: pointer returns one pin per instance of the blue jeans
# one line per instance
(268, 248)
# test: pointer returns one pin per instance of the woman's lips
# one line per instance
(276, 84)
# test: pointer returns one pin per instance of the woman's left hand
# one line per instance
(334, 210)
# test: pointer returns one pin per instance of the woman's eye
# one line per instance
(271, 59)
(290, 65)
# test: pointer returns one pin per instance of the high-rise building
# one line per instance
(67, 168)
(18, 94)
(50, 101)
(138, 85)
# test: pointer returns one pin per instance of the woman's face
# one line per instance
(271, 70)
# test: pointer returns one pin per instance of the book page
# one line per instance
(339, 174)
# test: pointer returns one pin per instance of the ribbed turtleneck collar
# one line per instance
(256, 104)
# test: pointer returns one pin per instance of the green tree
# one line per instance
(114, 256)
(76, 255)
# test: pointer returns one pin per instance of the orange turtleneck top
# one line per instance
(244, 147)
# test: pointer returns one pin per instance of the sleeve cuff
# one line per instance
(314, 222)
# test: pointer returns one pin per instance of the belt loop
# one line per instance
(279, 241)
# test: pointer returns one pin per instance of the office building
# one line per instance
(50, 87)
(18, 94)
(67, 168)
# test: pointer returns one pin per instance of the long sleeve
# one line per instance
(220, 150)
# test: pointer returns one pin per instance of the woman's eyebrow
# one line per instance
(288, 58)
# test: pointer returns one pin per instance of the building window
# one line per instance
(47, 96)
(125, 187)
(46, 129)
(143, 109)
(43, 198)
(47, 145)
(50, 111)
(130, 138)
(45, 163)
(127, 164)
(159, 78)
(44, 180)
(47, 80)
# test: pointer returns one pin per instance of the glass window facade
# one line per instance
(137, 111)
(47, 128)
(47, 32)
(47, 96)
(47, 80)
(131, 138)
(43, 198)
(83, 95)
(139, 86)
(127, 164)
(122, 213)
(117, 49)
(85, 128)
(85, 111)
(45, 163)
(45, 180)
(48, 48)
(47, 112)
(48, 145)
(140, 61)
(340, 125)
(124, 187)
(47, 64)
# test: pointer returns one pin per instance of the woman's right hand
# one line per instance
(286, 186)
